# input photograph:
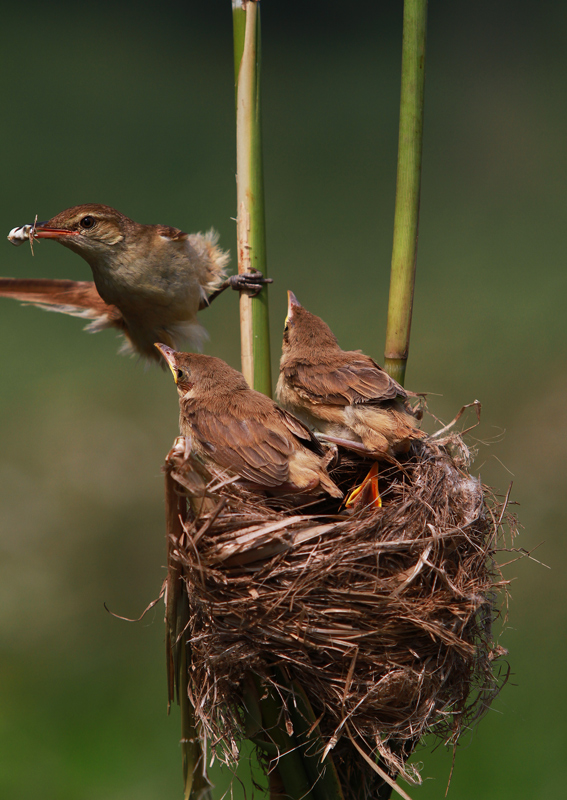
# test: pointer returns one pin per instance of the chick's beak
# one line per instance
(292, 302)
(169, 354)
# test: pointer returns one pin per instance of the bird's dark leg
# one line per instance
(251, 282)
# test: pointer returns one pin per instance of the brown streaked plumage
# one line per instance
(343, 394)
(243, 431)
(149, 280)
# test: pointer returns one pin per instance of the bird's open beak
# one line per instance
(292, 302)
(169, 354)
(44, 231)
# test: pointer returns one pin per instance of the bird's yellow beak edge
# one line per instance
(291, 302)
(169, 354)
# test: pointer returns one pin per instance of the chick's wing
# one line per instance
(246, 446)
(358, 380)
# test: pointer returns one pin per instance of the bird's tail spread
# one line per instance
(76, 298)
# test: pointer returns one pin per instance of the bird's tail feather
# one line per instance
(330, 487)
(77, 298)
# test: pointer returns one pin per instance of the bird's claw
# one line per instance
(250, 282)
(331, 456)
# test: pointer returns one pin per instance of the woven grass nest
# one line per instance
(383, 616)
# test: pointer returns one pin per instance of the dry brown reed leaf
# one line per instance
(384, 617)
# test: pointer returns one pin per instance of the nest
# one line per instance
(383, 617)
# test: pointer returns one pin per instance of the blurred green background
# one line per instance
(134, 108)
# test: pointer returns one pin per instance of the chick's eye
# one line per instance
(180, 374)
(88, 222)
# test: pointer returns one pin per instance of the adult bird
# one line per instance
(344, 394)
(243, 431)
(149, 280)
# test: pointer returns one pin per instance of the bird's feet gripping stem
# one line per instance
(251, 282)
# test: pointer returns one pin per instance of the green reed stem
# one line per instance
(406, 218)
(251, 234)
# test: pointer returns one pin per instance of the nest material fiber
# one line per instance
(383, 616)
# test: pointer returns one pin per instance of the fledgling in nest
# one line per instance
(243, 431)
(344, 394)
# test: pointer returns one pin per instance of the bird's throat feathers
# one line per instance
(186, 392)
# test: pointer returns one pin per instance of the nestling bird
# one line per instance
(149, 280)
(343, 394)
(243, 431)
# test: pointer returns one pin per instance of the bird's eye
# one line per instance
(180, 374)
(88, 222)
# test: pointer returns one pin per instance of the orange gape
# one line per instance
(367, 494)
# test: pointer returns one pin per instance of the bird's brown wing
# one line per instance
(174, 234)
(76, 298)
(246, 446)
(357, 380)
(300, 431)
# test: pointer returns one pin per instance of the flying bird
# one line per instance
(149, 280)
(243, 431)
(345, 395)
